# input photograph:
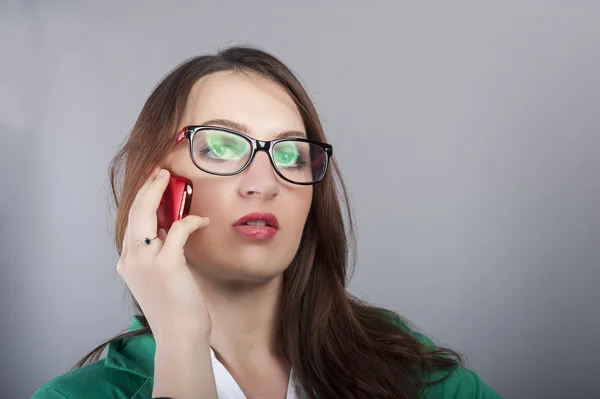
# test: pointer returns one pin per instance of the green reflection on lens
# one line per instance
(286, 155)
(226, 147)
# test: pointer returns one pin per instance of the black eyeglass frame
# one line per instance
(188, 132)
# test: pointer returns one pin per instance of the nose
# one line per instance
(259, 179)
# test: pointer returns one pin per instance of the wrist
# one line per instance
(184, 339)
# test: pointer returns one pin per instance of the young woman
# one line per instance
(246, 297)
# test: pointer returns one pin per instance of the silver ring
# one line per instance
(147, 241)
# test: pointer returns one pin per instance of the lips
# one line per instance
(255, 218)
(257, 225)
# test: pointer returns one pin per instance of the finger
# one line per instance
(129, 238)
(120, 266)
(180, 231)
(144, 187)
(142, 216)
(125, 251)
(123, 254)
(125, 244)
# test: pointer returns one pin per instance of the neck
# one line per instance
(244, 318)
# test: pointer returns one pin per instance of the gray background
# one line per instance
(468, 134)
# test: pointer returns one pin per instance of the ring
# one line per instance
(147, 240)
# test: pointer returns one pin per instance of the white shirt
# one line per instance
(227, 388)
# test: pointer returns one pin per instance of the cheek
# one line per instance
(209, 199)
(306, 203)
(213, 201)
(296, 208)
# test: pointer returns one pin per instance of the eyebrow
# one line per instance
(240, 127)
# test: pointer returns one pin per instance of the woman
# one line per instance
(246, 297)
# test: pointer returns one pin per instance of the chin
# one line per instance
(242, 261)
(256, 270)
(247, 275)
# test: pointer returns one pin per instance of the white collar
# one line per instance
(228, 388)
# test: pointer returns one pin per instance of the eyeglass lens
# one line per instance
(222, 152)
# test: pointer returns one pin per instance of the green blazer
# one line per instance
(128, 368)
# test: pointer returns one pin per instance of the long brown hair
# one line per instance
(339, 346)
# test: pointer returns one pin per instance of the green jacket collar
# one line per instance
(135, 354)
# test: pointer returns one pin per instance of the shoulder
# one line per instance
(455, 383)
(460, 383)
(125, 373)
(93, 381)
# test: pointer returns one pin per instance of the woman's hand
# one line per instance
(157, 274)
(164, 287)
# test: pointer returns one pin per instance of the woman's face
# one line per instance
(220, 249)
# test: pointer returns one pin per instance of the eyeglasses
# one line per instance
(225, 152)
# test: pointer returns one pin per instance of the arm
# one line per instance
(157, 274)
(183, 369)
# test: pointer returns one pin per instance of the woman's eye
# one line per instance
(287, 155)
(225, 150)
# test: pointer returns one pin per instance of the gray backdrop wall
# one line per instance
(468, 134)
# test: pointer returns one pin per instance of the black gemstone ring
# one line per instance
(147, 240)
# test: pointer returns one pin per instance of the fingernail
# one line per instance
(161, 173)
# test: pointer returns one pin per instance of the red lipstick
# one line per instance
(257, 225)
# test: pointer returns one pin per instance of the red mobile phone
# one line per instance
(175, 203)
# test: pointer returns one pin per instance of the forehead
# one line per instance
(260, 104)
